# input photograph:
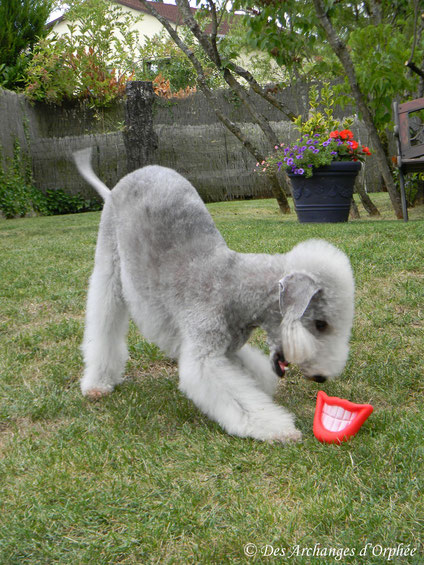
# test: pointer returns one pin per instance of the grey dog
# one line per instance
(161, 260)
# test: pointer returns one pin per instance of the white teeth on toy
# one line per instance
(336, 418)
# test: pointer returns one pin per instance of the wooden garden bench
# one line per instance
(409, 133)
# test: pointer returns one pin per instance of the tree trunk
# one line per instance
(367, 203)
(139, 137)
(342, 53)
(354, 212)
(279, 194)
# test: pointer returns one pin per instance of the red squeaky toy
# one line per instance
(337, 419)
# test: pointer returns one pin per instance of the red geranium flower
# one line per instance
(334, 133)
(346, 134)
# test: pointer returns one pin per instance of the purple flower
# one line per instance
(317, 135)
(303, 148)
(300, 171)
(333, 153)
(309, 142)
(316, 150)
(290, 161)
(326, 143)
(299, 156)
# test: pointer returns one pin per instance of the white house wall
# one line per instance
(147, 27)
(150, 26)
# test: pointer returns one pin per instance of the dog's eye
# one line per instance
(321, 325)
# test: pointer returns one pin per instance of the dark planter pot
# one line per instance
(326, 196)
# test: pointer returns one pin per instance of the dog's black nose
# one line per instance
(318, 379)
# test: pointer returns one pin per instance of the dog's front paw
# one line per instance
(276, 427)
(94, 388)
(288, 437)
(96, 393)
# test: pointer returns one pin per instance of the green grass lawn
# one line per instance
(143, 477)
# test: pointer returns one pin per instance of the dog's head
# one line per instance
(316, 305)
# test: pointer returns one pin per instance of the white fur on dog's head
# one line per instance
(296, 292)
(317, 305)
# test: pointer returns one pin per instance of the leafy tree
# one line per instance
(22, 23)
(231, 72)
(160, 55)
(365, 41)
(379, 37)
(92, 61)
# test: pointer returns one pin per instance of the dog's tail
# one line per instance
(82, 160)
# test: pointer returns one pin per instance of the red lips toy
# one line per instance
(337, 419)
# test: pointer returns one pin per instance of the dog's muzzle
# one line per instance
(279, 364)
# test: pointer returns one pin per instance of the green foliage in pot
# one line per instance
(323, 139)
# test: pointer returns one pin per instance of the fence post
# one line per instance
(139, 137)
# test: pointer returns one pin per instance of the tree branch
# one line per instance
(375, 11)
(204, 40)
(202, 37)
(256, 87)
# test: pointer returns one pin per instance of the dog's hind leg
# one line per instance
(104, 345)
(259, 366)
(229, 395)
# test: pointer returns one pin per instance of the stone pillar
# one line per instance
(139, 137)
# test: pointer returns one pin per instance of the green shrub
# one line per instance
(92, 61)
(58, 202)
(16, 190)
(14, 197)
(19, 197)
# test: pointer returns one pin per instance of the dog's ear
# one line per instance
(296, 292)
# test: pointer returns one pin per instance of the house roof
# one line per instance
(168, 11)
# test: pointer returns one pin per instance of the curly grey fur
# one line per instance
(161, 260)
